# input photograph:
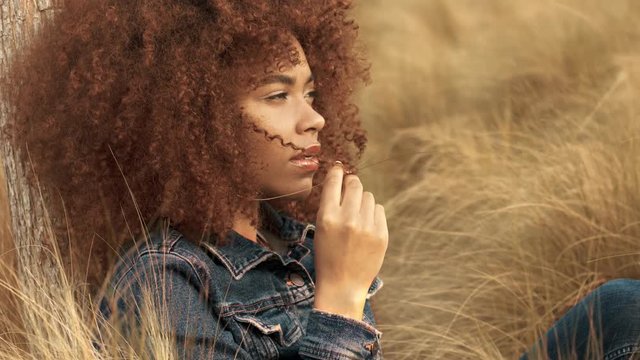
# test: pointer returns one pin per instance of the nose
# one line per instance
(310, 119)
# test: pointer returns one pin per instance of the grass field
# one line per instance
(510, 134)
(512, 187)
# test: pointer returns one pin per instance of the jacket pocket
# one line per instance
(279, 324)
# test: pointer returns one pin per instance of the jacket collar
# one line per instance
(240, 254)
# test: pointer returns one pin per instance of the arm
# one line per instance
(174, 291)
(350, 242)
(333, 336)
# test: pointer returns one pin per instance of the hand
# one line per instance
(350, 243)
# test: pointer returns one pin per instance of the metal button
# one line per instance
(373, 347)
(295, 279)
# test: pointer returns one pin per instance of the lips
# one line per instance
(308, 159)
(309, 152)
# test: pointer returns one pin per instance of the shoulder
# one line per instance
(163, 253)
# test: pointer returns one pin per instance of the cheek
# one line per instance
(272, 137)
(269, 154)
(273, 129)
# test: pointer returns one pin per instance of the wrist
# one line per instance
(346, 303)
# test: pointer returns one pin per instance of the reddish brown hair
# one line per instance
(143, 91)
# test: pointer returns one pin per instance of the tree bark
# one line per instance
(19, 21)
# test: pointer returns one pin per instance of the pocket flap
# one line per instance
(278, 321)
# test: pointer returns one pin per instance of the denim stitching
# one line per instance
(254, 263)
(239, 271)
(149, 252)
(137, 246)
(313, 285)
(234, 309)
(286, 339)
(175, 236)
(322, 354)
(623, 351)
(351, 321)
(131, 267)
(305, 231)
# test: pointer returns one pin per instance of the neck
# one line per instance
(242, 225)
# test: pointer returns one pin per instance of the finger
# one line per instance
(352, 197)
(367, 210)
(332, 187)
(381, 221)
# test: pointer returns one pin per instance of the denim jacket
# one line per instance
(241, 300)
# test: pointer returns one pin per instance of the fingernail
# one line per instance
(338, 162)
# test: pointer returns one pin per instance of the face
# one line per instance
(281, 104)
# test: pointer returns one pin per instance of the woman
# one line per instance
(197, 129)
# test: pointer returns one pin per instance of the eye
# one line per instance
(278, 96)
(311, 95)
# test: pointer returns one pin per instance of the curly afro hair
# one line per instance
(128, 113)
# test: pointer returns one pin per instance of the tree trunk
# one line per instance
(20, 21)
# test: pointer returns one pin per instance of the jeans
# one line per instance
(603, 325)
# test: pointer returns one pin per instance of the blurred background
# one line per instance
(503, 141)
(511, 186)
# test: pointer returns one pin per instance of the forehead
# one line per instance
(299, 50)
(298, 74)
(297, 61)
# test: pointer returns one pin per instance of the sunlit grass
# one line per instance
(48, 316)
(512, 189)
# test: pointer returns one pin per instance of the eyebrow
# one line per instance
(282, 79)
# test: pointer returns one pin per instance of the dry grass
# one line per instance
(8, 303)
(46, 316)
(512, 188)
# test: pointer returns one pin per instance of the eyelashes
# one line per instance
(284, 95)
(278, 96)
